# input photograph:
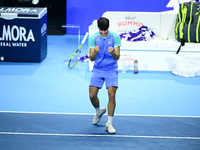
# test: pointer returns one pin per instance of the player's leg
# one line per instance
(93, 91)
(96, 83)
(111, 85)
(112, 101)
(111, 109)
(95, 102)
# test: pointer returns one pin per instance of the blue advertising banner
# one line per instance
(23, 34)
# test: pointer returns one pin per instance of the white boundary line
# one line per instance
(96, 135)
(93, 114)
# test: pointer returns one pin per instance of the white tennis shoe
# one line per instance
(97, 117)
(110, 128)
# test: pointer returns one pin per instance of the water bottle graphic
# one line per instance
(135, 66)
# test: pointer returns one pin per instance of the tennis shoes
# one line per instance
(110, 128)
(97, 118)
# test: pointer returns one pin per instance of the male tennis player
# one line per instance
(104, 51)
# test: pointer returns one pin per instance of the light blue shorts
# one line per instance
(109, 77)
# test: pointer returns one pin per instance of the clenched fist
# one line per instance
(96, 49)
(110, 50)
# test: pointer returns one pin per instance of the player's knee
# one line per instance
(111, 96)
(92, 96)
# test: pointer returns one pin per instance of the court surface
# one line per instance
(76, 131)
(46, 106)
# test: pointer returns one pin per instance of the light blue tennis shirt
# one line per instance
(104, 60)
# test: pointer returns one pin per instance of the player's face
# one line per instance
(103, 33)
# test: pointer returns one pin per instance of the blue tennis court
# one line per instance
(46, 106)
(75, 131)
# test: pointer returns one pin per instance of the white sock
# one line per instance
(110, 119)
(98, 110)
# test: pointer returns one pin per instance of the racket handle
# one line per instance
(85, 37)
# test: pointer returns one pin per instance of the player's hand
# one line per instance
(96, 49)
(110, 50)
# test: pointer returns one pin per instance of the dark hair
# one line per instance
(103, 24)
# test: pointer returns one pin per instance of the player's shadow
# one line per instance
(100, 125)
(75, 71)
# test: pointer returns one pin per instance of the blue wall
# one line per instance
(83, 12)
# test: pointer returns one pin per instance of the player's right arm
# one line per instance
(94, 50)
(93, 53)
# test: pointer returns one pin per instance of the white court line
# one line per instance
(96, 135)
(134, 115)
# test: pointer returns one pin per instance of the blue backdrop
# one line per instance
(83, 12)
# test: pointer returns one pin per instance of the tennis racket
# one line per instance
(75, 57)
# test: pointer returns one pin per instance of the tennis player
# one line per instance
(104, 51)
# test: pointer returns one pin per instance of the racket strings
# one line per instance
(74, 59)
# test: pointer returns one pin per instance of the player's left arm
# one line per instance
(115, 52)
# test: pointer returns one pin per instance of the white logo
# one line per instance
(43, 29)
(17, 10)
(16, 33)
(109, 41)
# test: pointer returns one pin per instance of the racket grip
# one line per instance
(85, 37)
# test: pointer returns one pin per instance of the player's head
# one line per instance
(103, 24)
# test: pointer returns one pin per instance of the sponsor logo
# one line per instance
(130, 18)
(16, 33)
(129, 23)
(17, 10)
(14, 36)
(126, 56)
